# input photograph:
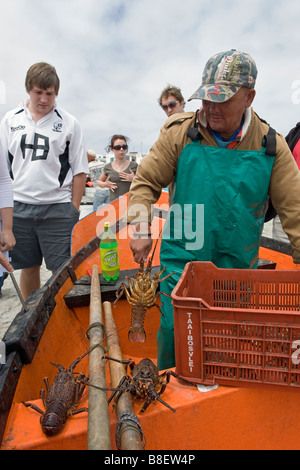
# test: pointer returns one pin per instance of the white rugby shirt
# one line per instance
(44, 156)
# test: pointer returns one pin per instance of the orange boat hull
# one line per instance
(228, 418)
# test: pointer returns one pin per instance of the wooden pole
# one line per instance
(129, 433)
(98, 435)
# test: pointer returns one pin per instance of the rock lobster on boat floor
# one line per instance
(145, 383)
(141, 293)
(62, 398)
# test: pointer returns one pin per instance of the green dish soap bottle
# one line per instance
(109, 254)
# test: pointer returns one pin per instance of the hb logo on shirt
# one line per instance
(40, 147)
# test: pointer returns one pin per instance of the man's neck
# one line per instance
(36, 116)
(247, 120)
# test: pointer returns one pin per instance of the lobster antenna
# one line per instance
(164, 403)
(100, 388)
(74, 364)
(151, 259)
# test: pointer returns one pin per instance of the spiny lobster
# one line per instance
(62, 398)
(141, 293)
(145, 383)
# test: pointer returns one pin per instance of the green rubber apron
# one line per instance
(218, 210)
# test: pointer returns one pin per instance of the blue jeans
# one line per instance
(100, 198)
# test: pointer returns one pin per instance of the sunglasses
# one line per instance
(172, 104)
(119, 147)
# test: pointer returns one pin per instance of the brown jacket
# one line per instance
(157, 170)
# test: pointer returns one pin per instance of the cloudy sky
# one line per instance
(115, 56)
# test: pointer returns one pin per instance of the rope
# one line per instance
(94, 325)
(123, 426)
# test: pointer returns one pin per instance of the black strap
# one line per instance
(271, 212)
(269, 141)
(193, 133)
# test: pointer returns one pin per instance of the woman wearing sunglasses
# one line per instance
(118, 174)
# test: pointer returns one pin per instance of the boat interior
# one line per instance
(223, 418)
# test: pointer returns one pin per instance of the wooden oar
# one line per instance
(16, 286)
(129, 435)
(98, 436)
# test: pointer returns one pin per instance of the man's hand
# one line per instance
(126, 176)
(111, 185)
(140, 248)
(5, 263)
(7, 240)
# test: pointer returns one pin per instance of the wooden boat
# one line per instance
(52, 328)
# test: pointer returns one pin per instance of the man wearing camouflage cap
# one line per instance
(222, 158)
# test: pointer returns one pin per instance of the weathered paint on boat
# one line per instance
(225, 418)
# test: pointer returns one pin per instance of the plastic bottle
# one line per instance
(109, 254)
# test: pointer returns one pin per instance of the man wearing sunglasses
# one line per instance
(171, 100)
(225, 162)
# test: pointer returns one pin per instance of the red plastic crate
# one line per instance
(238, 327)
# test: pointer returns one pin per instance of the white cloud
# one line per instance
(114, 57)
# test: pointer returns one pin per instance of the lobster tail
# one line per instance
(136, 331)
(54, 418)
(137, 335)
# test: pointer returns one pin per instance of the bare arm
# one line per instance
(78, 189)
(104, 182)
(7, 239)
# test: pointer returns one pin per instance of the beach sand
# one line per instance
(10, 303)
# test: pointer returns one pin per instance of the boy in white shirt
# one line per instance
(48, 164)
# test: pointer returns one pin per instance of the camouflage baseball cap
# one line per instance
(224, 74)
